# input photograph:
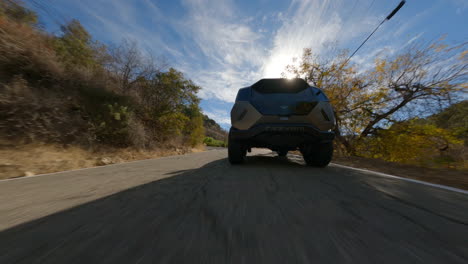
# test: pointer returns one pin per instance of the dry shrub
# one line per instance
(29, 115)
(63, 89)
(24, 50)
(137, 133)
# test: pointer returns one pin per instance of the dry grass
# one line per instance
(62, 107)
(44, 97)
(19, 160)
(24, 50)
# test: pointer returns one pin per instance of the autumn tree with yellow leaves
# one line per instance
(368, 100)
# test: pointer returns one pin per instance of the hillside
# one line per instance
(213, 129)
(69, 91)
(455, 119)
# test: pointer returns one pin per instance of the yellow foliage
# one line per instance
(365, 99)
(380, 65)
(174, 123)
(408, 142)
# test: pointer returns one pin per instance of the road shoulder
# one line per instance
(446, 177)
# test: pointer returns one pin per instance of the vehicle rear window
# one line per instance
(280, 85)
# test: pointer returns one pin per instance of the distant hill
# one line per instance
(455, 119)
(213, 129)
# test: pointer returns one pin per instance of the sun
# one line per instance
(288, 75)
(276, 67)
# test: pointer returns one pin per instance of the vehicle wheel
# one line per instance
(236, 152)
(282, 153)
(318, 155)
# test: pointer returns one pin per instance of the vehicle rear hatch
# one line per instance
(283, 97)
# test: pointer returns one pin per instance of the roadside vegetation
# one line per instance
(209, 141)
(70, 90)
(409, 107)
(214, 130)
(215, 135)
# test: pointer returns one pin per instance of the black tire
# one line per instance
(282, 153)
(318, 155)
(236, 152)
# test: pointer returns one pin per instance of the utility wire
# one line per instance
(364, 42)
(368, 37)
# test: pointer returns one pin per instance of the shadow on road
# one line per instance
(119, 228)
(271, 160)
(124, 226)
(268, 210)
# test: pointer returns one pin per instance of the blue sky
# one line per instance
(224, 45)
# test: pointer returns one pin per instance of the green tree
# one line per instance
(194, 127)
(455, 119)
(15, 10)
(76, 47)
(167, 92)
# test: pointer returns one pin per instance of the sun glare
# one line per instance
(276, 67)
(288, 75)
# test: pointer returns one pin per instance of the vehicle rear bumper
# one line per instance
(306, 130)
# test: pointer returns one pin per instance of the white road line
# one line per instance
(333, 164)
(97, 167)
(448, 188)
(402, 178)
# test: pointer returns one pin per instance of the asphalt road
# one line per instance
(197, 208)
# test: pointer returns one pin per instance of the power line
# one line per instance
(368, 37)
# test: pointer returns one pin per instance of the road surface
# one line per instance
(197, 208)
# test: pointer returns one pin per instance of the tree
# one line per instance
(455, 119)
(411, 142)
(15, 10)
(118, 97)
(167, 92)
(364, 101)
(76, 47)
(195, 132)
(131, 66)
(343, 86)
(424, 72)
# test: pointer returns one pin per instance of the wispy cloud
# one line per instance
(228, 45)
(239, 53)
(119, 19)
(313, 24)
(223, 48)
